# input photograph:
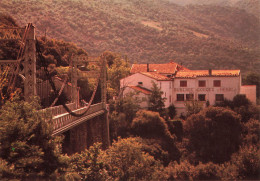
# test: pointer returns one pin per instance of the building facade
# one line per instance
(180, 84)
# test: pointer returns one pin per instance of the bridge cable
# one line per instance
(20, 53)
(61, 90)
(42, 59)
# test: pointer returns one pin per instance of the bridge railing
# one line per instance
(62, 120)
(65, 121)
(57, 110)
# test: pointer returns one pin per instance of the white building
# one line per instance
(180, 84)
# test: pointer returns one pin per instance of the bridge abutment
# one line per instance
(86, 134)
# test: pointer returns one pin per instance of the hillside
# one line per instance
(199, 36)
(251, 6)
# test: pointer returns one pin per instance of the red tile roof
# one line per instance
(205, 73)
(167, 68)
(140, 89)
(155, 75)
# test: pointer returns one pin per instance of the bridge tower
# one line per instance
(30, 64)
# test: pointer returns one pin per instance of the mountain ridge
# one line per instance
(199, 36)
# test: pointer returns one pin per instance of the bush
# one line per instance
(176, 128)
(241, 105)
(251, 131)
(182, 171)
(150, 125)
(125, 160)
(171, 111)
(214, 134)
(27, 144)
(187, 171)
(208, 171)
(247, 163)
(88, 165)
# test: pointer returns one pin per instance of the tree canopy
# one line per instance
(214, 134)
(27, 146)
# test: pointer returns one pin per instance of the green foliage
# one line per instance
(156, 102)
(210, 136)
(88, 165)
(148, 124)
(27, 147)
(182, 171)
(241, 105)
(202, 36)
(251, 130)
(176, 128)
(154, 148)
(118, 68)
(186, 171)
(193, 107)
(7, 21)
(59, 52)
(122, 112)
(125, 160)
(172, 111)
(247, 163)
(208, 171)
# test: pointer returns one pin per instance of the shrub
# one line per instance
(125, 160)
(150, 125)
(247, 163)
(171, 111)
(27, 144)
(214, 134)
(251, 131)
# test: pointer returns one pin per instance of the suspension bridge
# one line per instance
(81, 124)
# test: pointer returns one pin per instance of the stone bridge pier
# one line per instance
(86, 134)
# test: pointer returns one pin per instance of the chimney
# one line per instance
(210, 72)
(148, 67)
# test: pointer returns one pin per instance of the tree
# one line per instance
(251, 130)
(241, 105)
(186, 171)
(121, 114)
(26, 143)
(118, 68)
(125, 160)
(214, 134)
(176, 128)
(193, 107)
(171, 111)
(88, 165)
(150, 125)
(247, 163)
(156, 102)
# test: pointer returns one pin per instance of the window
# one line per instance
(202, 97)
(183, 83)
(170, 99)
(160, 85)
(170, 85)
(180, 97)
(189, 97)
(140, 83)
(217, 83)
(202, 83)
(219, 97)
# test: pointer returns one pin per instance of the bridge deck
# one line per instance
(63, 121)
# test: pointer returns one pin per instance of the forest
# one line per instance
(200, 36)
(153, 144)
